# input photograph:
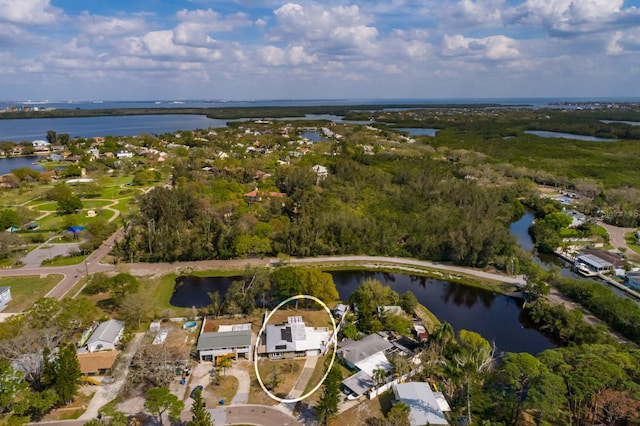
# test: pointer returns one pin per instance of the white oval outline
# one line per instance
(333, 356)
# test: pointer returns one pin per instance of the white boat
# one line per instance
(584, 270)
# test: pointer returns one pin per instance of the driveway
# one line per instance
(253, 415)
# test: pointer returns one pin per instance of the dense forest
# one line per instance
(377, 205)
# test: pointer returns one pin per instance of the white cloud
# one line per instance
(31, 12)
(196, 25)
(495, 48)
(336, 29)
(108, 25)
(624, 42)
(290, 56)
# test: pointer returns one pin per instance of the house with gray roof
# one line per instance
(106, 336)
(352, 352)
(425, 408)
(294, 339)
(235, 341)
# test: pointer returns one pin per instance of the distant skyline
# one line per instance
(270, 49)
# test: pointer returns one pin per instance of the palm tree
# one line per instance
(400, 365)
(379, 375)
(442, 335)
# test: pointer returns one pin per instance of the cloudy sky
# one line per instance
(332, 49)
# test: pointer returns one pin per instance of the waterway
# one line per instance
(10, 163)
(631, 123)
(496, 317)
(418, 131)
(545, 134)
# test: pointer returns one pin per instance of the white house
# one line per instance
(5, 297)
(41, 146)
(106, 336)
(294, 339)
(321, 171)
(124, 154)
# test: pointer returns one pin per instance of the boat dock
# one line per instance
(619, 286)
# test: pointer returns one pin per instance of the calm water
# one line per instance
(544, 134)
(87, 127)
(8, 164)
(631, 123)
(194, 291)
(418, 131)
(496, 317)
(313, 136)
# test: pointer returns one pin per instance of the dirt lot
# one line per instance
(212, 324)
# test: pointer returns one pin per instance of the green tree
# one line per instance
(379, 376)
(520, 370)
(408, 302)
(350, 331)
(399, 414)
(8, 218)
(200, 416)
(159, 400)
(67, 373)
(11, 384)
(123, 284)
(52, 137)
(328, 404)
(472, 361)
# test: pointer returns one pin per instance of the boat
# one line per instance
(583, 269)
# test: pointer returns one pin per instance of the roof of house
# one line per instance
(92, 362)
(295, 336)
(4, 288)
(225, 339)
(594, 261)
(422, 402)
(356, 351)
(107, 331)
(359, 383)
(374, 362)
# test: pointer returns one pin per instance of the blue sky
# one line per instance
(332, 49)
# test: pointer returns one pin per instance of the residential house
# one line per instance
(5, 297)
(577, 218)
(633, 279)
(97, 363)
(228, 340)
(294, 339)
(425, 407)
(339, 311)
(321, 172)
(41, 146)
(106, 336)
(256, 196)
(124, 154)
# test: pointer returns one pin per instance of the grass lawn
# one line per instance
(430, 321)
(312, 318)
(160, 291)
(287, 371)
(26, 290)
(632, 241)
(46, 207)
(256, 394)
(225, 390)
(74, 410)
(65, 261)
(94, 204)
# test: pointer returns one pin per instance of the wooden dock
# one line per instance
(622, 287)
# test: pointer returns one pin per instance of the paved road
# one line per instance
(616, 235)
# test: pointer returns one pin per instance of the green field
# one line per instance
(26, 290)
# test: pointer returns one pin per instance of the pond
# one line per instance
(313, 136)
(545, 134)
(631, 123)
(418, 131)
(497, 318)
(10, 163)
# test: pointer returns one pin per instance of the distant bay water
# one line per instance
(30, 129)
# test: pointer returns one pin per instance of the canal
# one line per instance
(496, 317)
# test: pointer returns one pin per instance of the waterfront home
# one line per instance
(425, 408)
(228, 340)
(294, 339)
(41, 146)
(5, 297)
(589, 264)
(633, 279)
(106, 336)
